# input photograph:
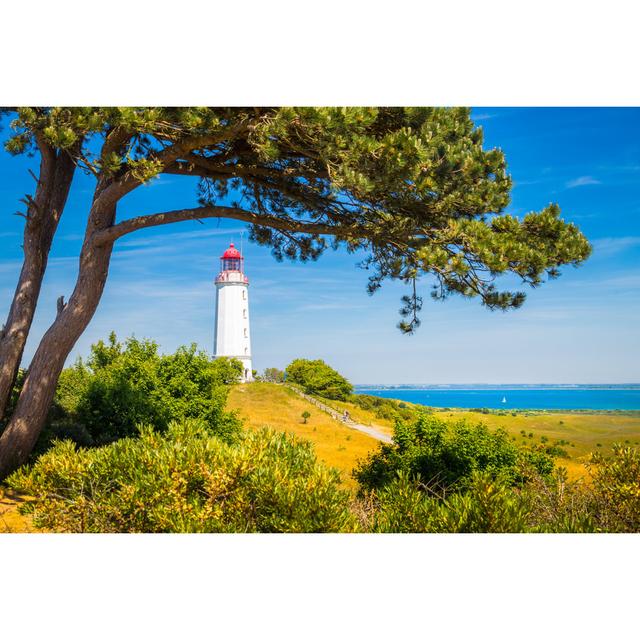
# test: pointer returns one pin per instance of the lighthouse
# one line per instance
(232, 339)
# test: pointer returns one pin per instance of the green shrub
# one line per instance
(318, 378)
(557, 505)
(608, 502)
(488, 506)
(615, 489)
(185, 480)
(384, 408)
(121, 386)
(443, 454)
(557, 452)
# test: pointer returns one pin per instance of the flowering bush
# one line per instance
(185, 480)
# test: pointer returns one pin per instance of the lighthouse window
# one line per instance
(244, 313)
(231, 264)
(245, 333)
(244, 294)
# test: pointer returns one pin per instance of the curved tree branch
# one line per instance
(111, 234)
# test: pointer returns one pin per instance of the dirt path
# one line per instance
(370, 431)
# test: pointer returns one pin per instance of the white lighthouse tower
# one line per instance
(232, 339)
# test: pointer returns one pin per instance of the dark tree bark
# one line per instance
(28, 418)
(42, 217)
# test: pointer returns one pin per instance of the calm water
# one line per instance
(627, 398)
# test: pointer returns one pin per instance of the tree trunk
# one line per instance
(43, 215)
(26, 423)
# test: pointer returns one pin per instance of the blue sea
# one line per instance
(575, 397)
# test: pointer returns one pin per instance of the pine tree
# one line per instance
(412, 187)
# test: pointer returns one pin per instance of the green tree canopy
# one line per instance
(318, 378)
(413, 187)
(122, 386)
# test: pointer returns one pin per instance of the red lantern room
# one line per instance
(232, 266)
(231, 260)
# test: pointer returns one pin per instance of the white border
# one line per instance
(335, 52)
(324, 587)
(410, 52)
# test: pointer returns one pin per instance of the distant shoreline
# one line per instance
(509, 398)
(500, 387)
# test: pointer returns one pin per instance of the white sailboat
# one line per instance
(504, 399)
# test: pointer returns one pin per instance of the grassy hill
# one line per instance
(270, 405)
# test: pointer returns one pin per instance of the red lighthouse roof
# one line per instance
(231, 252)
(231, 267)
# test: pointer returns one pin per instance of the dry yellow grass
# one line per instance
(11, 521)
(263, 404)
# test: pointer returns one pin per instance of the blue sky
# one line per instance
(581, 328)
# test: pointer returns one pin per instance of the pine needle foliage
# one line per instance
(413, 188)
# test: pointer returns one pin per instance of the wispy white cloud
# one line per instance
(619, 281)
(10, 266)
(329, 306)
(165, 289)
(612, 246)
(628, 281)
(525, 183)
(619, 168)
(582, 181)
(178, 236)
